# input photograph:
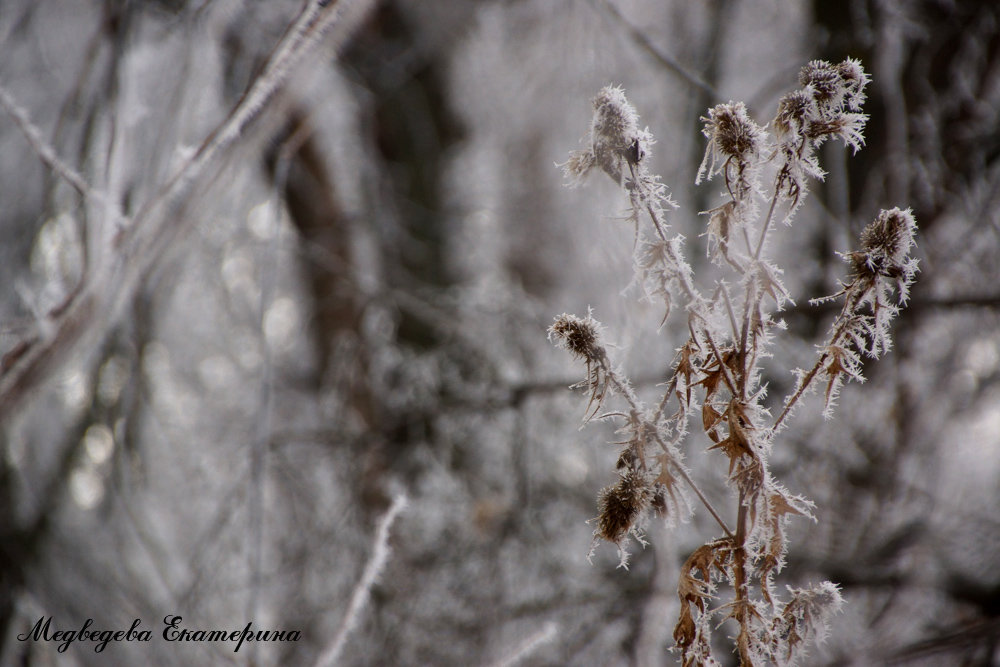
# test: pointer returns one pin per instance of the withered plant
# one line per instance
(717, 370)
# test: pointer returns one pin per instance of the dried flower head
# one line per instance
(794, 111)
(809, 116)
(855, 80)
(621, 510)
(616, 142)
(890, 234)
(885, 246)
(834, 86)
(732, 130)
(581, 336)
(732, 136)
(614, 115)
(615, 125)
(882, 266)
(823, 78)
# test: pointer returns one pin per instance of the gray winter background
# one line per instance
(214, 388)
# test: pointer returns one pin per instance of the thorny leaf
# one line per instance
(749, 477)
(710, 417)
(686, 368)
(778, 506)
(597, 383)
(737, 443)
(840, 364)
(684, 631)
(771, 284)
(781, 505)
(719, 228)
(733, 448)
(715, 372)
(706, 557)
(666, 483)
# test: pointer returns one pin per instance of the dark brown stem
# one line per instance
(742, 597)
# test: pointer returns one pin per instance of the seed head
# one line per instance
(616, 141)
(885, 246)
(890, 234)
(732, 131)
(734, 139)
(615, 123)
(621, 505)
(854, 79)
(794, 112)
(823, 78)
(833, 86)
(581, 336)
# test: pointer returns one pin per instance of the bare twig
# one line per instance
(362, 591)
(45, 151)
(653, 51)
(97, 302)
(530, 645)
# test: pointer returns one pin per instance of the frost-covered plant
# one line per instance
(716, 372)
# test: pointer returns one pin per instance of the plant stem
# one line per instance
(694, 487)
(841, 329)
(740, 583)
(770, 214)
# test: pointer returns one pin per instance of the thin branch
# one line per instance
(770, 215)
(811, 375)
(362, 591)
(315, 21)
(45, 151)
(97, 302)
(694, 487)
(653, 51)
(530, 645)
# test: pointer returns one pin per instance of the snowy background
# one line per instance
(348, 302)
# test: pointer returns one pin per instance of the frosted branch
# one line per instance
(362, 591)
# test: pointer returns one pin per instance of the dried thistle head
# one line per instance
(795, 109)
(823, 78)
(834, 86)
(615, 125)
(620, 507)
(885, 246)
(883, 265)
(890, 234)
(806, 118)
(732, 131)
(816, 112)
(616, 142)
(732, 135)
(581, 336)
(855, 80)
